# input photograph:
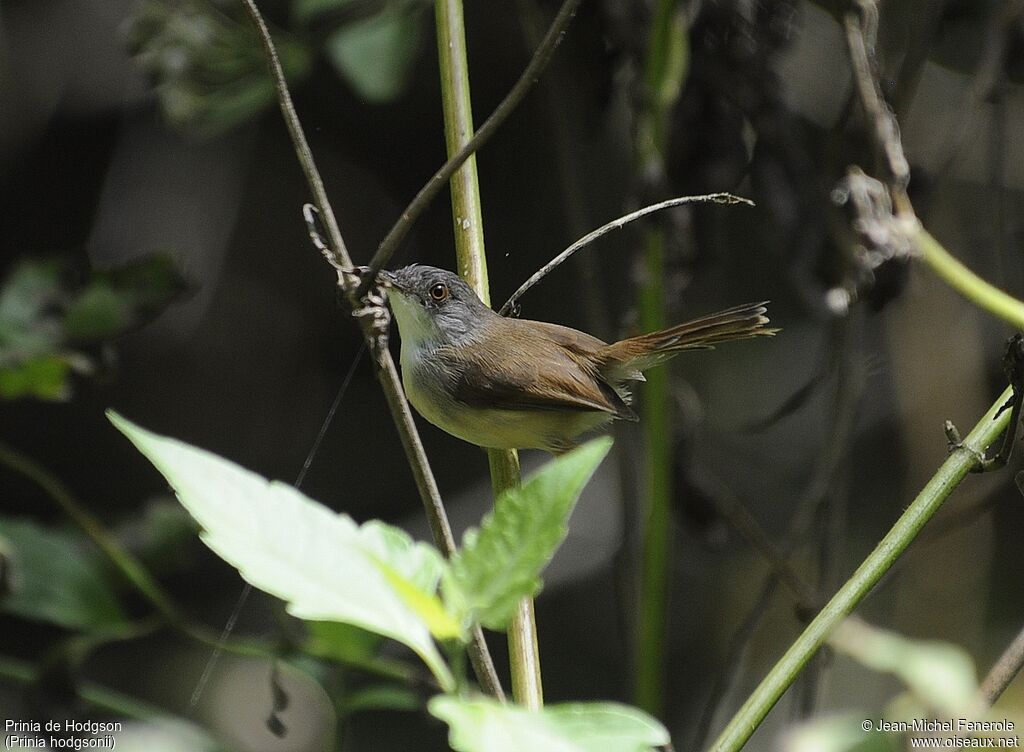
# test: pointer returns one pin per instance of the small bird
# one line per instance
(507, 383)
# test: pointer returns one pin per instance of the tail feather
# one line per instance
(636, 354)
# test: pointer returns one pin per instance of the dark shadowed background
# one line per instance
(114, 146)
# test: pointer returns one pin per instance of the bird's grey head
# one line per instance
(433, 305)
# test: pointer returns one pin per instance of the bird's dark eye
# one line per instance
(439, 292)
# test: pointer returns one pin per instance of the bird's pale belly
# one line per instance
(551, 430)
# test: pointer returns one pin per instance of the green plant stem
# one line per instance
(523, 652)
(458, 130)
(472, 263)
(983, 294)
(665, 70)
(959, 463)
(656, 530)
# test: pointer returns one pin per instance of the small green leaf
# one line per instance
(501, 563)
(376, 54)
(940, 674)
(52, 580)
(484, 725)
(323, 565)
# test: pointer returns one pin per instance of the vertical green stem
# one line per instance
(657, 497)
(663, 79)
(472, 261)
(458, 129)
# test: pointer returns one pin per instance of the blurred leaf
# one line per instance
(45, 377)
(161, 535)
(52, 580)
(380, 697)
(376, 54)
(206, 62)
(501, 562)
(48, 307)
(940, 674)
(305, 11)
(29, 326)
(97, 313)
(320, 563)
(484, 725)
(341, 642)
(837, 734)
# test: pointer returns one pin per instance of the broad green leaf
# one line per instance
(323, 565)
(376, 54)
(483, 725)
(940, 674)
(837, 734)
(501, 562)
(52, 580)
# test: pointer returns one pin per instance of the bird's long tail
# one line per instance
(647, 350)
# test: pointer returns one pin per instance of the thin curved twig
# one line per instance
(615, 224)
(426, 194)
(365, 309)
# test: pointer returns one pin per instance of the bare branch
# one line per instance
(714, 198)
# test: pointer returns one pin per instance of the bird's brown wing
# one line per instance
(553, 375)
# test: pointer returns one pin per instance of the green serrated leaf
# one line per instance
(52, 580)
(376, 54)
(483, 725)
(940, 674)
(501, 563)
(323, 565)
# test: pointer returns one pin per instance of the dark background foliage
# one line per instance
(126, 132)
